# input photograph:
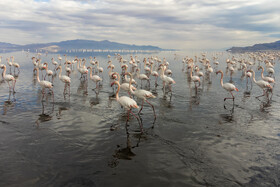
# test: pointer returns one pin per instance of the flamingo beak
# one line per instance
(112, 83)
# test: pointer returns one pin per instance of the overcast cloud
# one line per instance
(180, 24)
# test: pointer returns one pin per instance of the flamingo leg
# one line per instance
(229, 97)
(155, 117)
(262, 94)
(141, 107)
(139, 121)
(9, 86)
(14, 84)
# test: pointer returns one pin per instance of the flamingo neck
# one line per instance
(130, 81)
(90, 72)
(262, 73)
(254, 79)
(4, 72)
(118, 90)
(191, 71)
(38, 75)
(221, 81)
(60, 70)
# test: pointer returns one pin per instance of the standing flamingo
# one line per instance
(143, 95)
(227, 86)
(65, 79)
(128, 104)
(16, 65)
(44, 84)
(48, 72)
(94, 78)
(261, 83)
(8, 78)
(267, 79)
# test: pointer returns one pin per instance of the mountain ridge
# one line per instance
(77, 44)
(257, 47)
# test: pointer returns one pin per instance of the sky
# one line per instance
(169, 24)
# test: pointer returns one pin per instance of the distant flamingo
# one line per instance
(16, 65)
(10, 64)
(128, 104)
(227, 86)
(8, 78)
(55, 63)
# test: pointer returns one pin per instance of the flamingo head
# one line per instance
(260, 67)
(220, 71)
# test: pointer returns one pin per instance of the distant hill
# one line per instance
(257, 47)
(75, 45)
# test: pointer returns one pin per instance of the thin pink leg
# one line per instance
(140, 124)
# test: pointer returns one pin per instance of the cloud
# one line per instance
(196, 24)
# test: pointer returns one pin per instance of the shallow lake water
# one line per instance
(81, 140)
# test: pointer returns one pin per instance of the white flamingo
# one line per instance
(8, 78)
(44, 84)
(128, 104)
(144, 95)
(261, 83)
(227, 86)
(48, 72)
(267, 79)
(165, 79)
(95, 78)
(16, 65)
(65, 79)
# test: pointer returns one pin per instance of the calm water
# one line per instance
(81, 140)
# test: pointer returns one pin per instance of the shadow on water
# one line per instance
(45, 115)
(228, 117)
(125, 152)
(10, 103)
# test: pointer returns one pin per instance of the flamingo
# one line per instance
(227, 86)
(165, 79)
(44, 84)
(267, 79)
(195, 78)
(10, 64)
(154, 73)
(261, 83)
(143, 95)
(8, 78)
(48, 72)
(127, 103)
(94, 78)
(16, 65)
(55, 63)
(65, 79)
(142, 76)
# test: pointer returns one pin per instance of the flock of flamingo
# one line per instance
(128, 79)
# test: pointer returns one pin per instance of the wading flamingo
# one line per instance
(128, 104)
(227, 86)
(8, 78)
(261, 83)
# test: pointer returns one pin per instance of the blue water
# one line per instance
(81, 140)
